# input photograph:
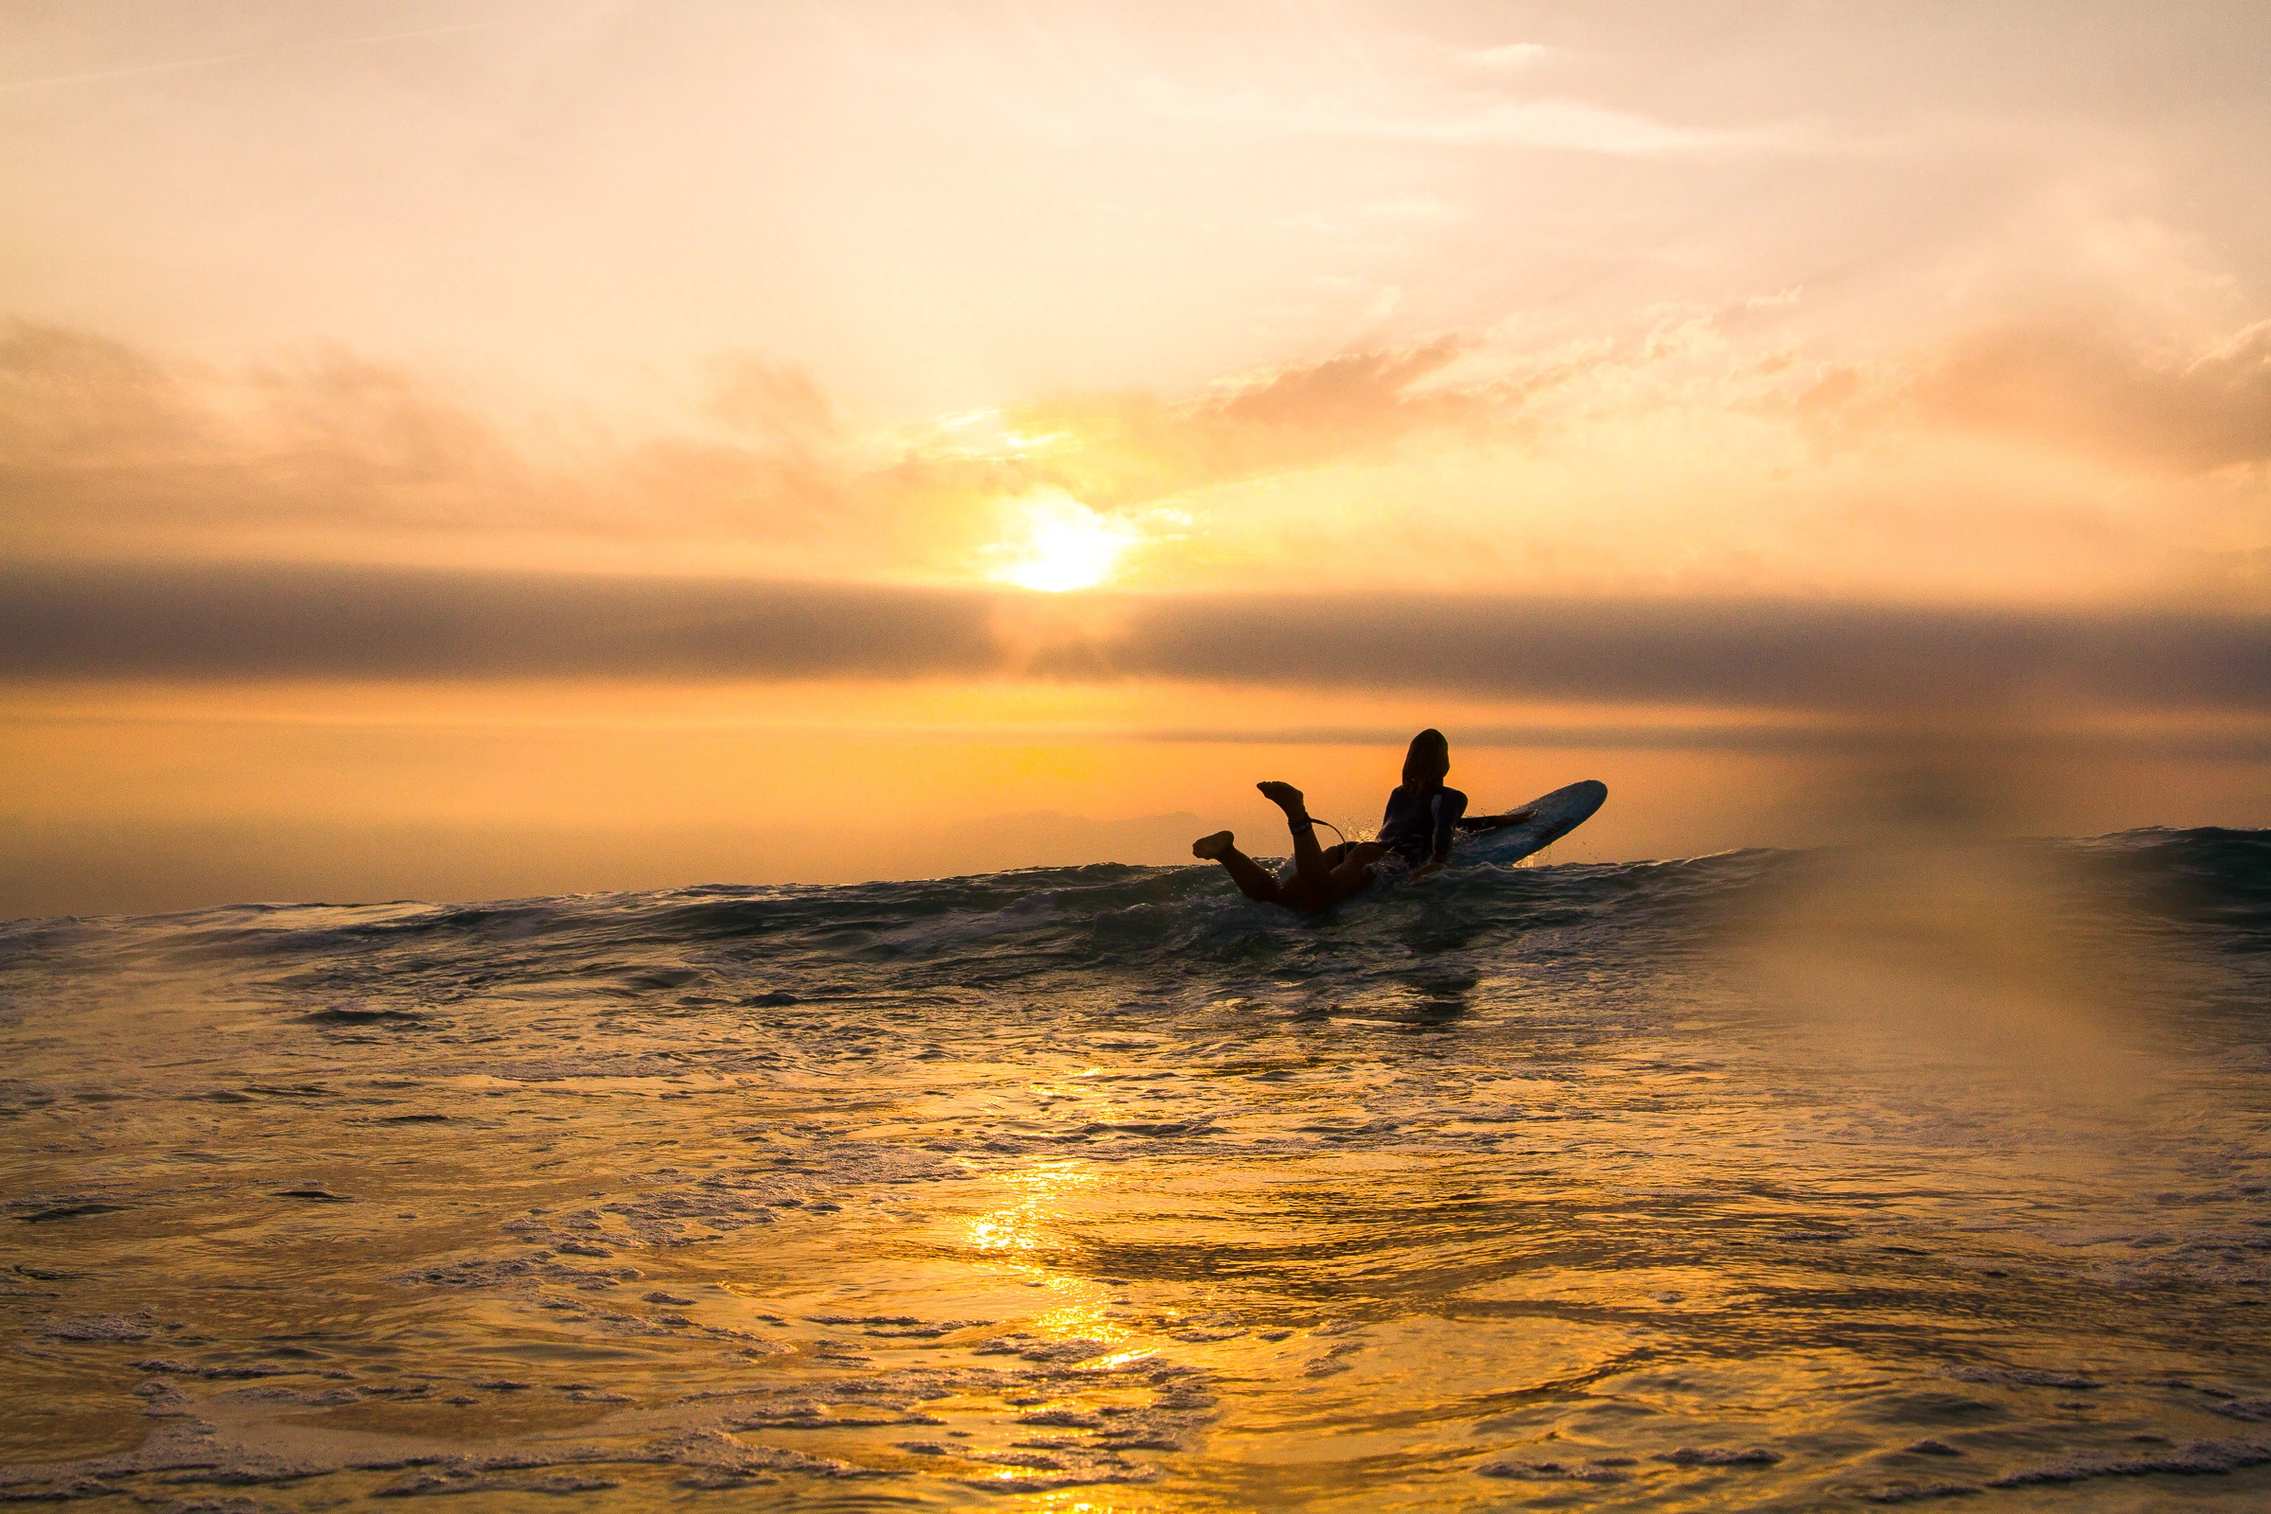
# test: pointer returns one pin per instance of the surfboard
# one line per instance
(1558, 813)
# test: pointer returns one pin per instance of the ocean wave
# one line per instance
(1104, 916)
(1583, 1170)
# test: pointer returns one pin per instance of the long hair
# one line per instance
(1429, 760)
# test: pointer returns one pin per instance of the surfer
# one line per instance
(1415, 837)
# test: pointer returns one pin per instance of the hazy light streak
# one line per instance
(178, 65)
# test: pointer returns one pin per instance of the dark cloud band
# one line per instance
(263, 622)
(318, 622)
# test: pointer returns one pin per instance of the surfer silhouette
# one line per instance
(1415, 837)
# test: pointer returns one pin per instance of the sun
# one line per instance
(1056, 543)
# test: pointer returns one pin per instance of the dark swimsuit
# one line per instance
(1419, 823)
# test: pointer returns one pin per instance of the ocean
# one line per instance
(1765, 1180)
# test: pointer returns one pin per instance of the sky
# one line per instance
(471, 449)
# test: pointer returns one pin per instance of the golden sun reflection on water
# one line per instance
(1028, 1232)
(1024, 1227)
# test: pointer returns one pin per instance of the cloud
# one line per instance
(1566, 125)
(95, 435)
(1128, 449)
(240, 621)
(2069, 388)
(243, 622)
(1757, 653)
(1337, 98)
(105, 449)
(1506, 56)
(1695, 447)
(770, 402)
(71, 398)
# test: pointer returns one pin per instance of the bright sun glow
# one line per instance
(1057, 543)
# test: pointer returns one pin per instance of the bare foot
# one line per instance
(1212, 847)
(1286, 797)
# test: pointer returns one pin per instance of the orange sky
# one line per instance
(1165, 324)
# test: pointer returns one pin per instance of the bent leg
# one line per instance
(1255, 883)
(1309, 865)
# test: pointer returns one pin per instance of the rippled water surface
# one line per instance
(1757, 1181)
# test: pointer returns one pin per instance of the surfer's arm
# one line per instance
(1494, 822)
(1449, 805)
